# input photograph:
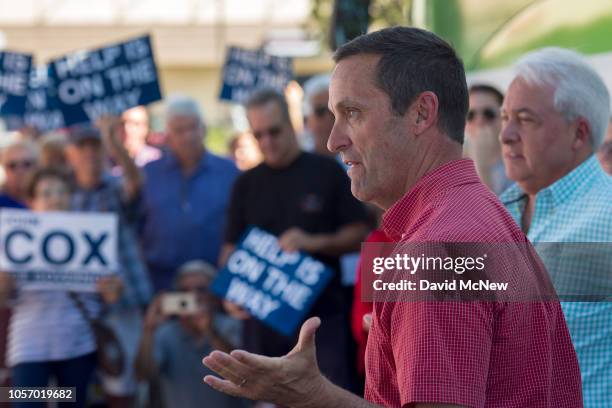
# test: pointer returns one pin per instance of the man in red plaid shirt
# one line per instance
(400, 101)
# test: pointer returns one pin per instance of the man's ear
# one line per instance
(424, 112)
(582, 134)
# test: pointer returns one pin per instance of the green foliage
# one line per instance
(217, 138)
(588, 39)
(383, 13)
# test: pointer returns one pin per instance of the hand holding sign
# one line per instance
(110, 288)
(290, 380)
(235, 310)
(7, 286)
(111, 127)
(295, 239)
(270, 284)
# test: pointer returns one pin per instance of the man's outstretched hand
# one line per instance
(293, 380)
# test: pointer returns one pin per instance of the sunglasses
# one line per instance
(56, 192)
(273, 132)
(23, 164)
(487, 113)
(321, 111)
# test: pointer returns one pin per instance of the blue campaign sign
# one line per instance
(42, 107)
(245, 71)
(104, 81)
(274, 286)
(14, 74)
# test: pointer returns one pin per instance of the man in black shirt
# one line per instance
(305, 200)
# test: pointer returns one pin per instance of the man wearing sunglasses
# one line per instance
(319, 119)
(305, 200)
(481, 136)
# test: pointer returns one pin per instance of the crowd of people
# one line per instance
(394, 113)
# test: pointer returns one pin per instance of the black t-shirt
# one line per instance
(312, 193)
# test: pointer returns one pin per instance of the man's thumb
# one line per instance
(307, 334)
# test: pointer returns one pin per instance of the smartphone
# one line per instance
(179, 303)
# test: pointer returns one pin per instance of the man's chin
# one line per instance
(360, 193)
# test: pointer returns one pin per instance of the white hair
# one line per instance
(579, 90)
(312, 87)
(181, 105)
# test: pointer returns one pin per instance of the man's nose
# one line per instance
(509, 133)
(338, 140)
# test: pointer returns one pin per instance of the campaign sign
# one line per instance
(274, 286)
(58, 250)
(245, 71)
(105, 81)
(42, 109)
(14, 74)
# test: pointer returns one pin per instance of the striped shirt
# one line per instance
(47, 326)
(577, 209)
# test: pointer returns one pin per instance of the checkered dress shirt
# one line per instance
(472, 354)
(578, 209)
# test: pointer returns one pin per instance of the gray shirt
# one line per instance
(179, 359)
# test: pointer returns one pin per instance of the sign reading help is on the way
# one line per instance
(14, 74)
(276, 287)
(58, 250)
(108, 80)
(42, 111)
(245, 71)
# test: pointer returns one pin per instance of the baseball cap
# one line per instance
(79, 133)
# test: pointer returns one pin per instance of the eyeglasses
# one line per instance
(321, 111)
(273, 132)
(488, 114)
(23, 164)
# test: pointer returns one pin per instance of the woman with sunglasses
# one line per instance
(18, 159)
(482, 129)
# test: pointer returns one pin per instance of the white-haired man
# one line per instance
(554, 118)
(185, 195)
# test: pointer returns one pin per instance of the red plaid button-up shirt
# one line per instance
(473, 354)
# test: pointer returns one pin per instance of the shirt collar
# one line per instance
(562, 189)
(512, 194)
(172, 161)
(406, 211)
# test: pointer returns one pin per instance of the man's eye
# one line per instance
(352, 114)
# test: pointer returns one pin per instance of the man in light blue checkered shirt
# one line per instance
(554, 117)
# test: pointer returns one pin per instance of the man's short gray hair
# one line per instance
(579, 90)
(181, 105)
(312, 87)
(195, 267)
